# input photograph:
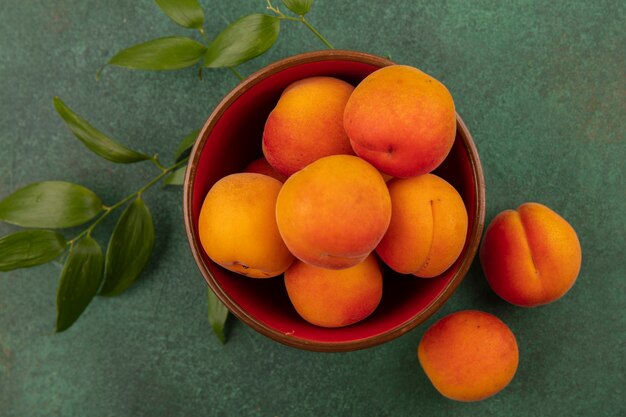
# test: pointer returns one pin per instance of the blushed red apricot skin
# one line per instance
(428, 226)
(401, 120)
(307, 124)
(335, 298)
(469, 355)
(333, 212)
(531, 256)
(261, 166)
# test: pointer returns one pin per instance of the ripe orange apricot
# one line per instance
(530, 256)
(335, 298)
(333, 213)
(237, 226)
(428, 226)
(307, 124)
(469, 355)
(401, 120)
(261, 166)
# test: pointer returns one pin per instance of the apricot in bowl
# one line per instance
(231, 140)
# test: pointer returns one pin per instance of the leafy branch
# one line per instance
(58, 205)
(243, 40)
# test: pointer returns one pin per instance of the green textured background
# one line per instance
(541, 86)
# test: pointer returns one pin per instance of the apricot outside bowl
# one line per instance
(231, 138)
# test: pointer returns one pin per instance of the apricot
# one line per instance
(307, 124)
(401, 120)
(333, 213)
(428, 226)
(261, 166)
(469, 355)
(237, 226)
(530, 256)
(335, 298)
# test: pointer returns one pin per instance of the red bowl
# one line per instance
(231, 138)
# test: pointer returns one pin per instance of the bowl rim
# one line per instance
(289, 339)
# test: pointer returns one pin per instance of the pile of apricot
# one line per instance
(346, 183)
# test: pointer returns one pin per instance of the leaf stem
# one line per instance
(315, 31)
(234, 71)
(204, 35)
(157, 163)
(300, 19)
(109, 209)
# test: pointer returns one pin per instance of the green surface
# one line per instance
(541, 87)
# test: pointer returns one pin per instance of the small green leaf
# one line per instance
(300, 7)
(177, 177)
(186, 13)
(218, 313)
(186, 144)
(53, 204)
(29, 248)
(96, 141)
(129, 248)
(80, 280)
(243, 40)
(169, 53)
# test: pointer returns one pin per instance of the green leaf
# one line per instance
(218, 313)
(186, 13)
(53, 204)
(29, 248)
(129, 248)
(169, 53)
(177, 177)
(80, 280)
(300, 7)
(186, 144)
(96, 141)
(243, 40)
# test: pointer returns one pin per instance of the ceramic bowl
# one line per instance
(231, 138)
